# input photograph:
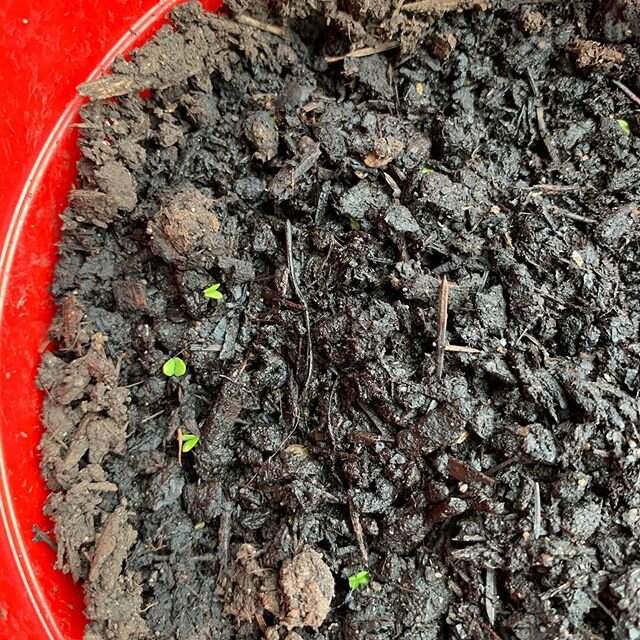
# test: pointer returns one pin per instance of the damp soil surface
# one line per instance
(424, 220)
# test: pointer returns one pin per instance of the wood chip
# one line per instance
(373, 161)
(365, 51)
(108, 86)
(460, 471)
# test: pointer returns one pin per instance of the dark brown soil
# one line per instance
(336, 198)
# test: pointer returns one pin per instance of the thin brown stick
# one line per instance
(462, 472)
(630, 94)
(537, 511)
(461, 349)
(514, 3)
(439, 7)
(365, 51)
(305, 307)
(370, 413)
(578, 217)
(40, 536)
(532, 82)
(357, 530)
(441, 333)
(427, 6)
(224, 535)
(329, 423)
(262, 26)
(262, 625)
(501, 465)
(556, 189)
(152, 416)
(180, 441)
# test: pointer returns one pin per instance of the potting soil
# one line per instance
(424, 221)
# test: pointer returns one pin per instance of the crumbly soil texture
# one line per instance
(424, 220)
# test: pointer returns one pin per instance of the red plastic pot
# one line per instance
(47, 48)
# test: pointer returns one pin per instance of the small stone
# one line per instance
(633, 515)
(400, 219)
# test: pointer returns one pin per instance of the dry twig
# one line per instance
(461, 349)
(224, 536)
(490, 595)
(152, 417)
(365, 51)
(441, 333)
(40, 536)
(537, 511)
(630, 94)
(429, 6)
(305, 307)
(357, 530)
(262, 26)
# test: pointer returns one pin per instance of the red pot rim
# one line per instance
(46, 54)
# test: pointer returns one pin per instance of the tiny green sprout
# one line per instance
(189, 440)
(426, 170)
(354, 224)
(624, 125)
(213, 292)
(174, 367)
(360, 579)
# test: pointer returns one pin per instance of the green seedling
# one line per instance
(354, 224)
(174, 367)
(426, 170)
(189, 440)
(360, 579)
(624, 125)
(213, 292)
